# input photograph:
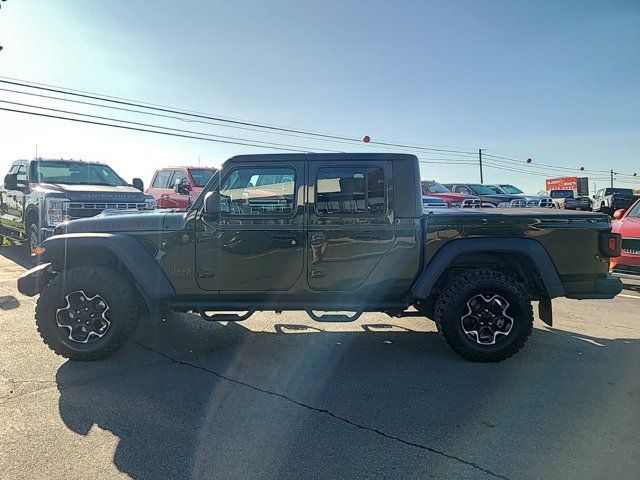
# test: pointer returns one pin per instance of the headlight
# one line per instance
(454, 204)
(503, 205)
(56, 211)
(150, 203)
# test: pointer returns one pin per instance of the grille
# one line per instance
(631, 245)
(542, 203)
(84, 210)
(518, 203)
(434, 204)
(471, 203)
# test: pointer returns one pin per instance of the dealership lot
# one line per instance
(281, 396)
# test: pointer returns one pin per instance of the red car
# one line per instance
(178, 187)
(462, 200)
(628, 225)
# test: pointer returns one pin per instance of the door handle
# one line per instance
(368, 235)
(284, 235)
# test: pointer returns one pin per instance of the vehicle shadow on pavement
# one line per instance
(17, 254)
(221, 401)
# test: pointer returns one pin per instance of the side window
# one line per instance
(22, 173)
(258, 191)
(177, 176)
(464, 190)
(350, 190)
(162, 179)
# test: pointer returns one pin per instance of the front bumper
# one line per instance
(32, 281)
(605, 288)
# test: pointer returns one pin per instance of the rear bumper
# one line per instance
(605, 288)
(32, 281)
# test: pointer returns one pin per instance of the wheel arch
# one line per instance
(122, 252)
(525, 258)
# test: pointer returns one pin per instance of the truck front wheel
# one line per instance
(484, 316)
(87, 312)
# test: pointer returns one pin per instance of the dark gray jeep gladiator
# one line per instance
(321, 233)
(42, 193)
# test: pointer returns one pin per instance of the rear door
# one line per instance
(257, 244)
(350, 222)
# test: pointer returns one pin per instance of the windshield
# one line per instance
(635, 211)
(561, 193)
(76, 173)
(619, 191)
(201, 176)
(481, 189)
(511, 189)
(434, 187)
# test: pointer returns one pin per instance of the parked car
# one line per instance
(628, 225)
(348, 233)
(488, 197)
(608, 200)
(435, 189)
(178, 187)
(42, 193)
(533, 201)
(566, 200)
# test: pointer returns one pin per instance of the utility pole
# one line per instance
(612, 172)
(480, 160)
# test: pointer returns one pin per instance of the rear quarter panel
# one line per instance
(571, 239)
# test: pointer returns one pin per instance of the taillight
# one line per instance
(610, 244)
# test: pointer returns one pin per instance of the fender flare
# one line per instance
(447, 254)
(151, 280)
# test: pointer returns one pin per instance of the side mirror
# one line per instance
(11, 181)
(212, 204)
(618, 214)
(182, 187)
(138, 183)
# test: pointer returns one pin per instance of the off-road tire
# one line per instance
(32, 229)
(451, 305)
(120, 296)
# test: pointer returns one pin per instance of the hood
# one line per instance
(537, 198)
(127, 221)
(92, 193)
(498, 198)
(453, 197)
(627, 227)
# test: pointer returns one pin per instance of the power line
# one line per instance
(111, 119)
(270, 128)
(145, 130)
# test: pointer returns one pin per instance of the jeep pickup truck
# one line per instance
(41, 193)
(325, 234)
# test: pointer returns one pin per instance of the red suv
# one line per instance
(178, 187)
(628, 225)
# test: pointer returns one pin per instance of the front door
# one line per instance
(257, 244)
(351, 224)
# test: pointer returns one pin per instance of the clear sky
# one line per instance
(558, 81)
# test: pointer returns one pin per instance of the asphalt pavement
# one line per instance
(282, 396)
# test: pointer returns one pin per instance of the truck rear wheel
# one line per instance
(484, 316)
(87, 313)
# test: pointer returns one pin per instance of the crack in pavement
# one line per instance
(54, 384)
(328, 413)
